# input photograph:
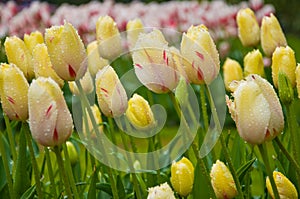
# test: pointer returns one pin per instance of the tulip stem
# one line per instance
(33, 160)
(50, 172)
(6, 167)
(264, 153)
(292, 124)
(203, 107)
(11, 139)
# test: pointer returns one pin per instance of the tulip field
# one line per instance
(172, 100)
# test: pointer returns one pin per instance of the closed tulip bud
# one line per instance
(95, 61)
(87, 128)
(248, 28)
(43, 65)
(133, 29)
(50, 120)
(271, 34)
(298, 79)
(199, 49)
(154, 62)
(108, 37)
(86, 82)
(285, 188)
(162, 191)
(33, 39)
(17, 53)
(254, 64)
(284, 61)
(73, 154)
(111, 95)
(67, 52)
(139, 112)
(256, 110)
(286, 91)
(182, 176)
(13, 92)
(222, 181)
(232, 70)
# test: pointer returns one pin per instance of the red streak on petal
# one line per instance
(193, 64)
(17, 116)
(199, 74)
(48, 110)
(267, 133)
(139, 66)
(72, 71)
(55, 135)
(165, 57)
(199, 55)
(105, 91)
(11, 100)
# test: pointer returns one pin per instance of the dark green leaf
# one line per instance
(92, 188)
(104, 187)
(241, 172)
(29, 193)
(120, 187)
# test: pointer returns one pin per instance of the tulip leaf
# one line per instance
(120, 187)
(200, 181)
(104, 187)
(29, 193)
(92, 188)
(241, 172)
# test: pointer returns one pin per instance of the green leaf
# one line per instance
(92, 188)
(200, 181)
(120, 187)
(29, 193)
(104, 187)
(241, 172)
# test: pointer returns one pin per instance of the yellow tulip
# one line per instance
(271, 34)
(95, 61)
(108, 37)
(248, 28)
(284, 61)
(139, 112)
(13, 92)
(232, 71)
(33, 39)
(73, 154)
(50, 120)
(222, 181)
(111, 95)
(256, 110)
(182, 176)
(199, 49)
(298, 79)
(43, 65)
(17, 53)
(162, 191)
(285, 188)
(133, 29)
(253, 63)
(67, 52)
(86, 82)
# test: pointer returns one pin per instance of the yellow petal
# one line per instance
(253, 63)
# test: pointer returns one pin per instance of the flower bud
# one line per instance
(298, 79)
(271, 34)
(33, 39)
(139, 112)
(50, 120)
(222, 181)
(108, 37)
(133, 29)
(13, 92)
(95, 61)
(162, 191)
(182, 176)
(199, 49)
(256, 110)
(111, 95)
(88, 129)
(86, 82)
(17, 53)
(254, 64)
(284, 61)
(232, 70)
(67, 52)
(73, 155)
(285, 188)
(286, 92)
(43, 65)
(248, 28)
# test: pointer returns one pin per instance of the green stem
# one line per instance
(6, 167)
(11, 139)
(50, 172)
(203, 107)
(292, 124)
(33, 160)
(69, 171)
(62, 171)
(264, 153)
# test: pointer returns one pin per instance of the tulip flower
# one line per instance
(73, 154)
(162, 191)
(108, 37)
(298, 79)
(50, 120)
(248, 28)
(43, 65)
(232, 70)
(111, 95)
(199, 49)
(284, 61)
(182, 176)
(133, 29)
(271, 34)
(253, 63)
(154, 63)
(86, 82)
(95, 61)
(256, 110)
(17, 53)
(67, 52)
(33, 39)
(285, 187)
(139, 112)
(87, 128)
(222, 181)
(13, 92)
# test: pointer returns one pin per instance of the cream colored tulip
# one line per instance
(232, 71)
(162, 191)
(95, 61)
(133, 30)
(253, 63)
